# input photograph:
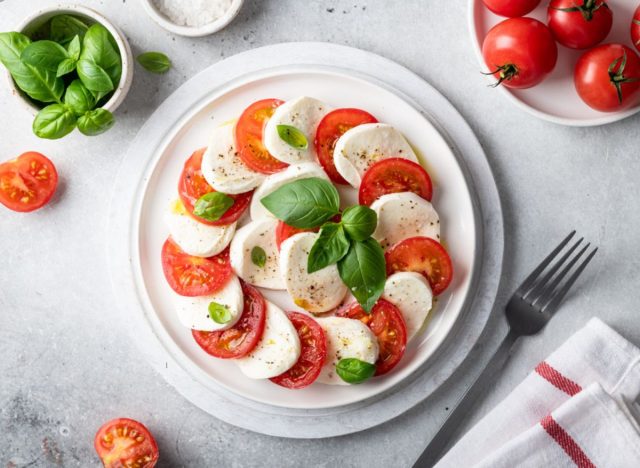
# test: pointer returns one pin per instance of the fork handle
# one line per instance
(463, 407)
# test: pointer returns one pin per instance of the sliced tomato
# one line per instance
(123, 442)
(27, 182)
(422, 255)
(332, 127)
(239, 340)
(387, 323)
(312, 355)
(194, 276)
(193, 185)
(249, 131)
(394, 175)
(284, 231)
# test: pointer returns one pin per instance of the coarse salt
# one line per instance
(194, 13)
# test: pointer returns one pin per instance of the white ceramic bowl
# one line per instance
(192, 31)
(41, 16)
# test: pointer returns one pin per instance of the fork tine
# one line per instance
(547, 293)
(530, 281)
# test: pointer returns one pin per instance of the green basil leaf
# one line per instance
(65, 27)
(11, 46)
(54, 121)
(93, 76)
(304, 203)
(332, 245)
(258, 256)
(74, 47)
(99, 47)
(292, 137)
(364, 271)
(65, 67)
(155, 62)
(95, 122)
(212, 205)
(219, 313)
(79, 98)
(45, 55)
(354, 371)
(359, 222)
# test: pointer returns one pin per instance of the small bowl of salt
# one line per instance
(193, 18)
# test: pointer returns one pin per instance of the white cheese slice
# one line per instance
(411, 294)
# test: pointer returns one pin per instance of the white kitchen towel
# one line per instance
(575, 409)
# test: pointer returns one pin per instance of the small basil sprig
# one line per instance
(155, 62)
(73, 54)
(332, 245)
(364, 272)
(258, 256)
(211, 206)
(219, 313)
(100, 65)
(355, 371)
(292, 137)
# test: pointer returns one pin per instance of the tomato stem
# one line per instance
(587, 9)
(617, 77)
(506, 73)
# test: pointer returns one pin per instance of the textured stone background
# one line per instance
(66, 363)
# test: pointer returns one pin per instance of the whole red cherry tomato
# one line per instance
(579, 24)
(635, 28)
(511, 8)
(520, 52)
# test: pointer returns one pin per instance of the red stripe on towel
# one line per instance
(566, 442)
(558, 380)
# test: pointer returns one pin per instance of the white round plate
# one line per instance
(555, 99)
(469, 207)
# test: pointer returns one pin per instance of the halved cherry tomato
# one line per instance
(239, 340)
(332, 127)
(312, 355)
(635, 28)
(422, 255)
(249, 131)
(194, 276)
(511, 8)
(123, 442)
(27, 182)
(579, 24)
(192, 185)
(284, 231)
(387, 323)
(394, 175)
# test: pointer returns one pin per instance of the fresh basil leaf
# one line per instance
(364, 272)
(155, 62)
(304, 203)
(292, 137)
(79, 98)
(11, 46)
(212, 206)
(332, 244)
(93, 76)
(74, 47)
(359, 222)
(45, 55)
(65, 27)
(258, 256)
(355, 371)
(95, 122)
(219, 313)
(54, 121)
(98, 47)
(65, 67)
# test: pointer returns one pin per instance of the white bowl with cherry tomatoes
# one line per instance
(568, 62)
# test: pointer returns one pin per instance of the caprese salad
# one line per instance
(259, 209)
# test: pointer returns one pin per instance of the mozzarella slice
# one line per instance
(402, 215)
(358, 148)
(411, 294)
(278, 349)
(260, 234)
(304, 114)
(193, 312)
(277, 180)
(316, 292)
(222, 167)
(196, 238)
(346, 338)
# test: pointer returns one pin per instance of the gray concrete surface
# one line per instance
(66, 363)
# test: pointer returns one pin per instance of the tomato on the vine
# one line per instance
(579, 24)
(635, 28)
(511, 8)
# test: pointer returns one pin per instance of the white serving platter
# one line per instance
(555, 99)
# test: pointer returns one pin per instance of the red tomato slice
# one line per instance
(27, 182)
(194, 276)
(249, 131)
(284, 231)
(193, 185)
(312, 355)
(422, 255)
(332, 127)
(394, 175)
(124, 442)
(239, 340)
(387, 323)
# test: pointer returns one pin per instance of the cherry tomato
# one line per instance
(387, 323)
(312, 355)
(249, 137)
(27, 182)
(422, 255)
(284, 231)
(194, 276)
(607, 77)
(394, 175)
(192, 185)
(520, 52)
(511, 8)
(635, 28)
(332, 127)
(123, 442)
(239, 340)
(579, 24)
